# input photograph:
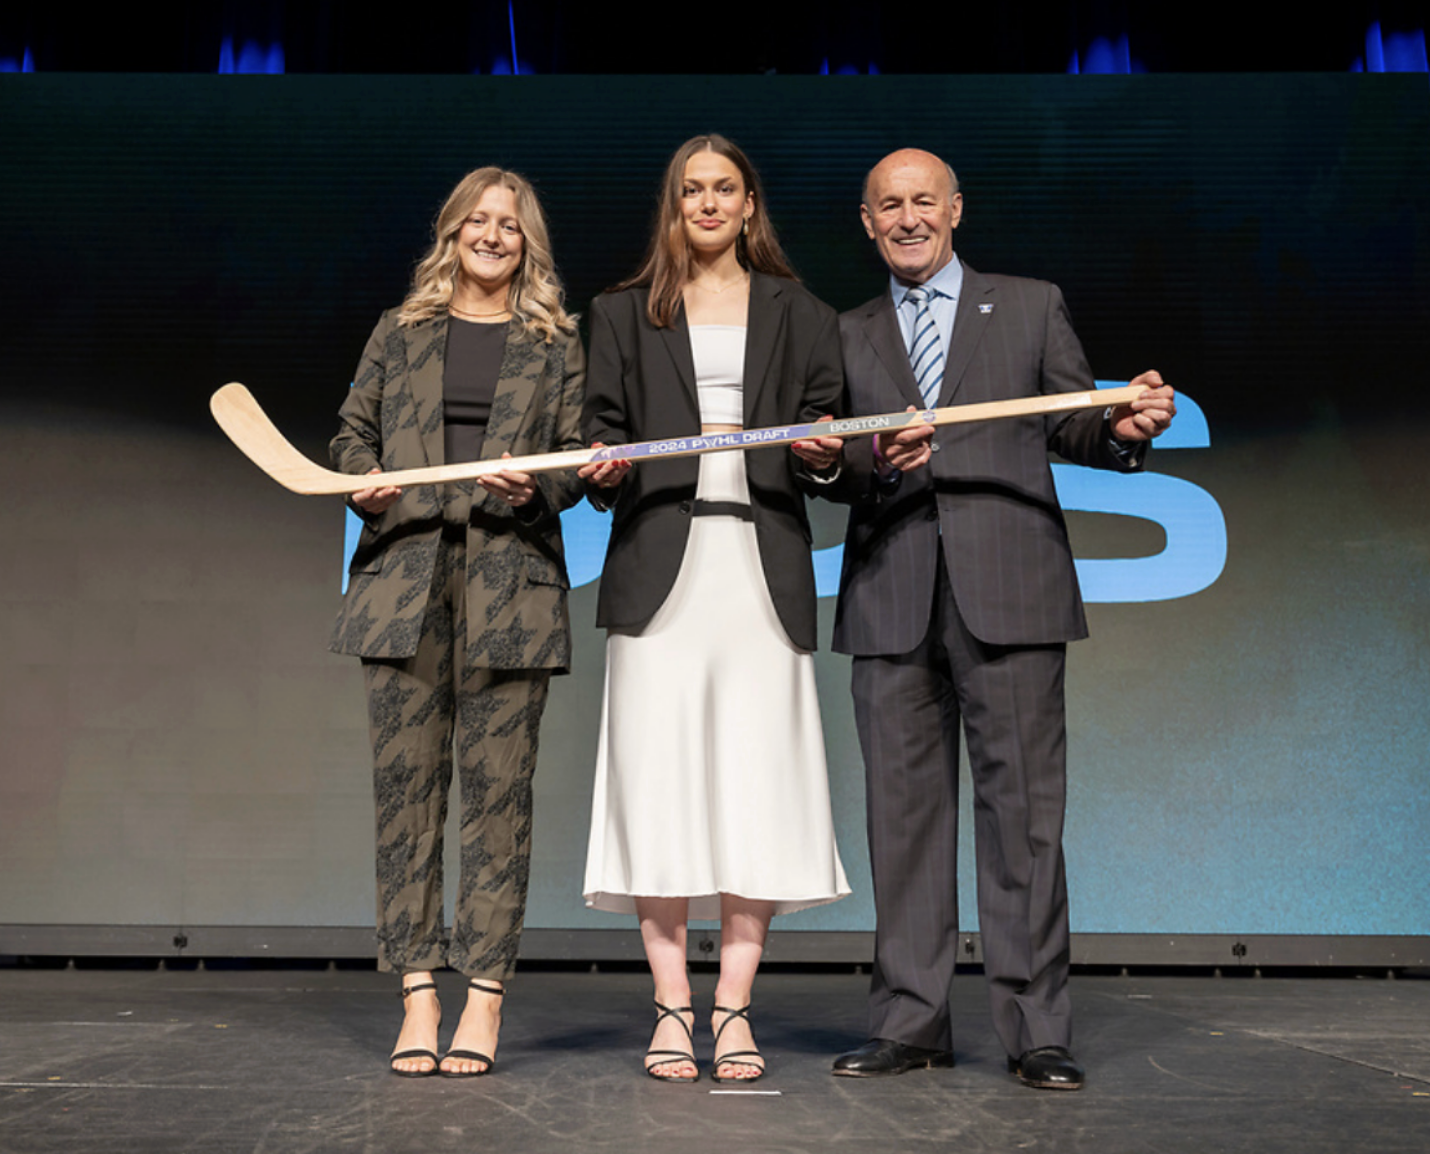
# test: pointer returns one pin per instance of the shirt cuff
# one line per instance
(1125, 451)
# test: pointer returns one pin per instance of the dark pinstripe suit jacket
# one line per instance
(516, 571)
(986, 498)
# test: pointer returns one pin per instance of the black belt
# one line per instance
(722, 509)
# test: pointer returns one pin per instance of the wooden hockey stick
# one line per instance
(248, 427)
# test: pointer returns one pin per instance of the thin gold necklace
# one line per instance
(744, 276)
(455, 311)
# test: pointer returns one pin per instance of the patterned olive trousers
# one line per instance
(424, 713)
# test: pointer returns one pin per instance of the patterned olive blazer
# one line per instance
(516, 568)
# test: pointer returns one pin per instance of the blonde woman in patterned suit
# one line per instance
(457, 596)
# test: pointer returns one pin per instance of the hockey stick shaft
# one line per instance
(248, 427)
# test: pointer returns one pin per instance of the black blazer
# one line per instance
(986, 499)
(641, 386)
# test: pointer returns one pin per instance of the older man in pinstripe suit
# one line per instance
(957, 600)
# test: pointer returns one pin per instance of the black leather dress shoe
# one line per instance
(879, 1056)
(1047, 1068)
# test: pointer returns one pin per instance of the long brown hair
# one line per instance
(666, 267)
(535, 296)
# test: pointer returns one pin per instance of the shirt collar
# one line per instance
(947, 282)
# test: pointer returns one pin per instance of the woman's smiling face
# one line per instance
(490, 243)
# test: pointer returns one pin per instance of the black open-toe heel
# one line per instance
(472, 1055)
(735, 1057)
(667, 1057)
(414, 1053)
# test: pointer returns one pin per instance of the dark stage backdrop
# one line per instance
(1248, 724)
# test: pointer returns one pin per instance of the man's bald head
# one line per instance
(905, 155)
(911, 207)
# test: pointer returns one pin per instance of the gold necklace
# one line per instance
(741, 279)
(455, 311)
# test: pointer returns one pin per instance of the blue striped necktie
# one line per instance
(926, 349)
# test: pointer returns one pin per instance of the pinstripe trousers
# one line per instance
(1008, 700)
(425, 713)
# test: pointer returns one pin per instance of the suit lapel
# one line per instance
(881, 326)
(975, 310)
(765, 322)
(521, 368)
(426, 355)
(677, 342)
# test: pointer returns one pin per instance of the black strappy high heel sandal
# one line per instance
(472, 1055)
(735, 1057)
(414, 1053)
(667, 1057)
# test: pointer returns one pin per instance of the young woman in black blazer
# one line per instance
(711, 794)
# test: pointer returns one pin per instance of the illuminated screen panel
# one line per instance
(1247, 724)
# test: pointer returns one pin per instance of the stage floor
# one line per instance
(293, 1060)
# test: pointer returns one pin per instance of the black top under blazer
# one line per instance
(641, 387)
(986, 498)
